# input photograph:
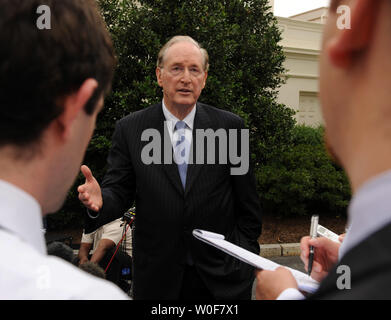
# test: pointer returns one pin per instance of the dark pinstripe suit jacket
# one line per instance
(370, 270)
(213, 200)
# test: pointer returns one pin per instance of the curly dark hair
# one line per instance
(40, 67)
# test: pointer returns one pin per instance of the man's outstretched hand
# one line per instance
(90, 193)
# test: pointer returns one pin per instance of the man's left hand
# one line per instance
(270, 284)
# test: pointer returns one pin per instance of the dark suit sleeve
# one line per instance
(247, 205)
(119, 184)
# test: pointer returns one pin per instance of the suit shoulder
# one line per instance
(222, 115)
(140, 114)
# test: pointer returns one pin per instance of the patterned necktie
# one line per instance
(181, 151)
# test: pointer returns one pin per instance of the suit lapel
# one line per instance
(201, 121)
(169, 166)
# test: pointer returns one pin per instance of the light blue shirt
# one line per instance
(369, 211)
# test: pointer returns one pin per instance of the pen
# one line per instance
(313, 234)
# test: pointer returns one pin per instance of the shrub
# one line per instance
(302, 180)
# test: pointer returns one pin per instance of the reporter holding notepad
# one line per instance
(356, 104)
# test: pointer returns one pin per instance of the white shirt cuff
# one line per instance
(291, 294)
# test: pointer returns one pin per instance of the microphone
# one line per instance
(129, 215)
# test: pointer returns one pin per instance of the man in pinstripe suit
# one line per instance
(176, 197)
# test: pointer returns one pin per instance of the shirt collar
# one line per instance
(189, 120)
(21, 215)
(369, 211)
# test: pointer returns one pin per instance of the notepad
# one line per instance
(305, 283)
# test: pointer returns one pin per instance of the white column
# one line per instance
(271, 4)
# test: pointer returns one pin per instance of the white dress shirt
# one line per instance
(369, 211)
(26, 271)
(171, 121)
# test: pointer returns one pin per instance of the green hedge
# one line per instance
(302, 179)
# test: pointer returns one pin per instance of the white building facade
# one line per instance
(301, 42)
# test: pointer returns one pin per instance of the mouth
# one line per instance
(185, 91)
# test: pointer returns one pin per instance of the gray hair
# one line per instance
(177, 39)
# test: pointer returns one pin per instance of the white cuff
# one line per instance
(291, 294)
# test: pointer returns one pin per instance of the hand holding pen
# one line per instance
(326, 254)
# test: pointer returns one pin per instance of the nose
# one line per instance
(186, 76)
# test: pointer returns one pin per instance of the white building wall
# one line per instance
(317, 15)
(301, 41)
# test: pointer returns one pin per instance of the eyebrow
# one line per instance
(181, 64)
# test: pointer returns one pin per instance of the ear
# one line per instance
(344, 46)
(205, 77)
(159, 76)
(74, 104)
